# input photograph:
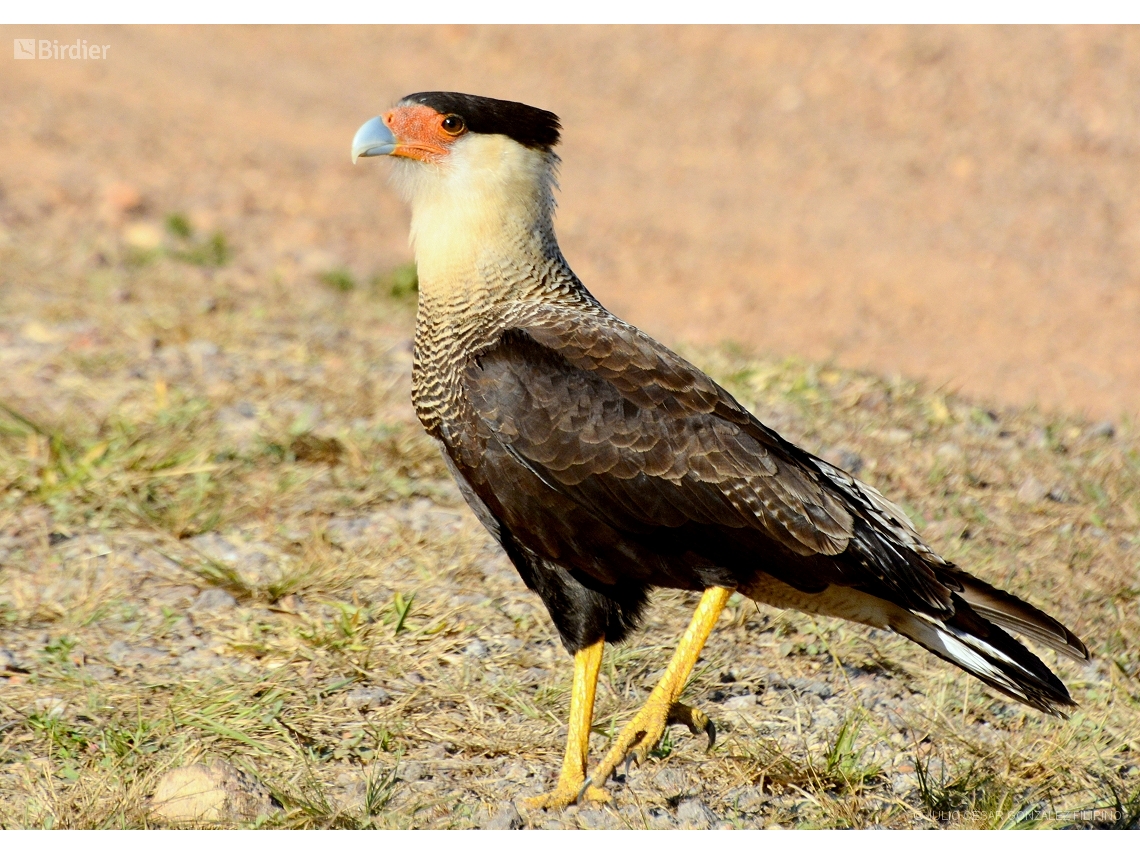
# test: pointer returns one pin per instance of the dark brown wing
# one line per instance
(648, 444)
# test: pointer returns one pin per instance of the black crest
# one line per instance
(528, 126)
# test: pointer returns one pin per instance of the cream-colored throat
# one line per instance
(488, 204)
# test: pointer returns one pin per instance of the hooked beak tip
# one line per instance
(373, 139)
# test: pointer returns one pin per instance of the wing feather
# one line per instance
(645, 441)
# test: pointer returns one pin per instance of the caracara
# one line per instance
(607, 466)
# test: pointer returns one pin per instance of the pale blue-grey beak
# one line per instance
(373, 139)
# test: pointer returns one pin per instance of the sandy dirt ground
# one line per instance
(955, 204)
(225, 539)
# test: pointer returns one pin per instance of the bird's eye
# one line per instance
(454, 125)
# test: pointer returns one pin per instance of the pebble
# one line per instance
(123, 654)
(217, 792)
(748, 799)
(516, 772)
(670, 782)
(8, 662)
(368, 697)
(51, 707)
(476, 649)
(213, 600)
(692, 813)
(122, 198)
(99, 673)
(1031, 490)
(176, 596)
(597, 818)
(199, 660)
(1103, 430)
(810, 687)
(507, 819)
(741, 702)
(412, 771)
(143, 236)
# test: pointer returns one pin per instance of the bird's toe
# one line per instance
(694, 719)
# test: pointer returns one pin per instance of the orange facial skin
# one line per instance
(419, 133)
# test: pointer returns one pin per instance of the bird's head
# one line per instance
(461, 139)
(477, 171)
(431, 126)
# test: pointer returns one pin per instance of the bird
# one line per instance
(607, 466)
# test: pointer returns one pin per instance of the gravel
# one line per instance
(213, 600)
(368, 697)
(508, 818)
(692, 813)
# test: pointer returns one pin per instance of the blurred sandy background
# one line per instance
(954, 204)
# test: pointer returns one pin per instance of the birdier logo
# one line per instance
(52, 49)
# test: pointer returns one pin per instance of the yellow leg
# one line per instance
(661, 709)
(587, 663)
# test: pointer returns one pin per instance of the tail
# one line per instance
(1008, 612)
(973, 638)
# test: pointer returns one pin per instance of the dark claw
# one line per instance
(694, 719)
(629, 758)
(589, 783)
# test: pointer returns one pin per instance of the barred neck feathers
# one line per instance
(482, 225)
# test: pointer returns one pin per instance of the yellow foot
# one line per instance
(694, 719)
(566, 793)
(642, 734)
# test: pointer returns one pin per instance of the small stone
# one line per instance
(124, 655)
(1103, 430)
(143, 236)
(670, 782)
(217, 792)
(904, 782)
(412, 771)
(198, 659)
(692, 813)
(122, 198)
(212, 600)
(175, 596)
(949, 451)
(507, 819)
(1059, 495)
(202, 348)
(741, 702)
(99, 673)
(516, 772)
(1031, 490)
(367, 697)
(749, 799)
(51, 707)
(820, 690)
(8, 662)
(476, 649)
(596, 818)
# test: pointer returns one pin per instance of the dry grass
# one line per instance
(172, 427)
